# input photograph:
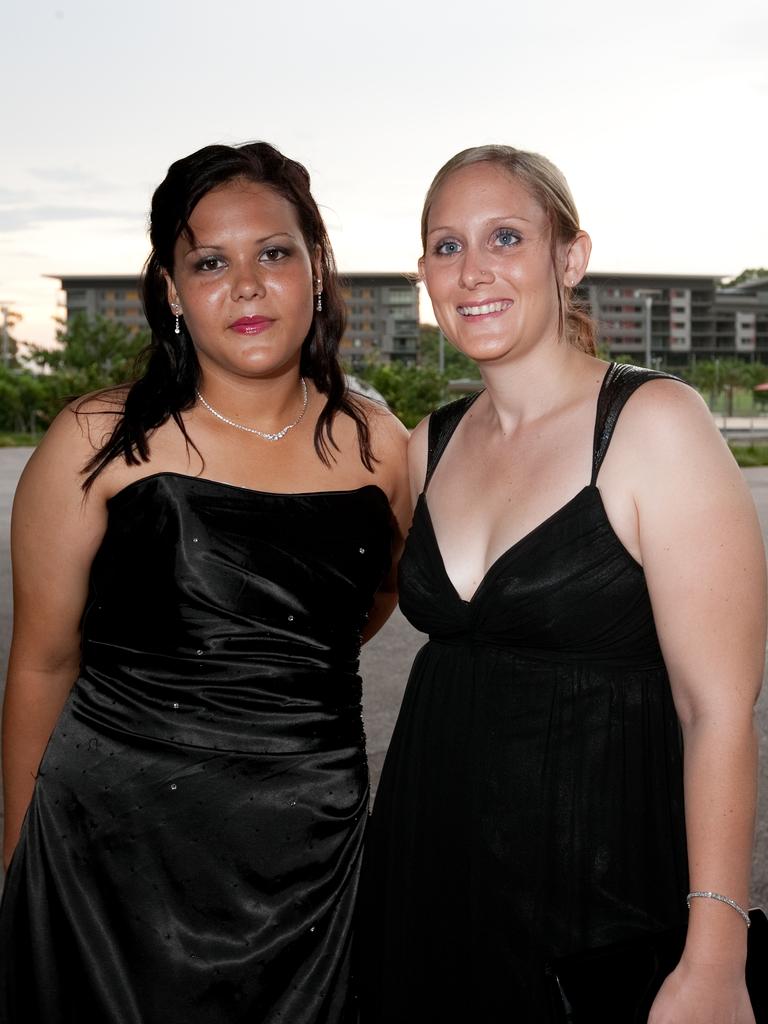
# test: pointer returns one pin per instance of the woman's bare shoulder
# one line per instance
(668, 439)
(87, 422)
(666, 399)
(73, 438)
(667, 417)
(386, 429)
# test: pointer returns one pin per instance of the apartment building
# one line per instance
(741, 318)
(676, 317)
(382, 318)
(114, 296)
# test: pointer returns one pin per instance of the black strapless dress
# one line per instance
(191, 852)
(531, 802)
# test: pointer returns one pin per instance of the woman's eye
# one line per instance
(210, 263)
(447, 248)
(273, 254)
(504, 236)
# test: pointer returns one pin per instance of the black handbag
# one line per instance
(617, 984)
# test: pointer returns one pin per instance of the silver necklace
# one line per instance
(278, 435)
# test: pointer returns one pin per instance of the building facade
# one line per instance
(742, 318)
(382, 311)
(382, 318)
(114, 296)
(674, 318)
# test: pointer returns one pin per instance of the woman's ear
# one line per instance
(577, 259)
(173, 297)
(317, 264)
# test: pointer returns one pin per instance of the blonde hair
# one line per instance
(547, 184)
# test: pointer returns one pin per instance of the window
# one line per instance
(402, 296)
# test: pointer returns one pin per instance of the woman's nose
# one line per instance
(475, 270)
(248, 282)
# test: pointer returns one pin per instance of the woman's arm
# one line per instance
(417, 459)
(704, 562)
(390, 439)
(55, 532)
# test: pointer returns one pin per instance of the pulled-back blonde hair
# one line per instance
(547, 184)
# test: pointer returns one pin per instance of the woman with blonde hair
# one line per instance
(575, 756)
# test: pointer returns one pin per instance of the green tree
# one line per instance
(757, 373)
(9, 347)
(704, 374)
(457, 365)
(735, 375)
(410, 391)
(27, 403)
(91, 353)
(715, 376)
(747, 275)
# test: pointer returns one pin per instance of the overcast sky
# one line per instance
(656, 112)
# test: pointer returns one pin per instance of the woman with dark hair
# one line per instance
(201, 553)
(536, 833)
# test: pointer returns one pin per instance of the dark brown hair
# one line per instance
(170, 377)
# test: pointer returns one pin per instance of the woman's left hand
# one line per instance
(703, 994)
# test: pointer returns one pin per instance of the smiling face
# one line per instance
(488, 264)
(244, 281)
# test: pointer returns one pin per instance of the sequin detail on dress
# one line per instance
(192, 849)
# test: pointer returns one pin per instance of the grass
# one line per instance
(745, 454)
(750, 454)
(744, 403)
(19, 440)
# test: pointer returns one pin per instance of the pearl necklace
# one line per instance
(278, 434)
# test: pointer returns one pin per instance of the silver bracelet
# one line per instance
(723, 899)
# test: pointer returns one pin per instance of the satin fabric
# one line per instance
(192, 849)
(531, 802)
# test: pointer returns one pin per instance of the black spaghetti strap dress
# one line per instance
(191, 853)
(531, 802)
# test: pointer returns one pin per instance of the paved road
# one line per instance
(387, 658)
(12, 462)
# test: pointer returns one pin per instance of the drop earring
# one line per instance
(176, 310)
(319, 296)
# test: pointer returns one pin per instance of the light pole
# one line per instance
(647, 295)
(648, 324)
(5, 351)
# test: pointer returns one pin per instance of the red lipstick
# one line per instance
(251, 324)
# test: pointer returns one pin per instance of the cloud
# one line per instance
(69, 176)
(23, 254)
(9, 195)
(18, 218)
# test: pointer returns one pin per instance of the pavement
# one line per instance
(387, 658)
(743, 429)
(740, 422)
